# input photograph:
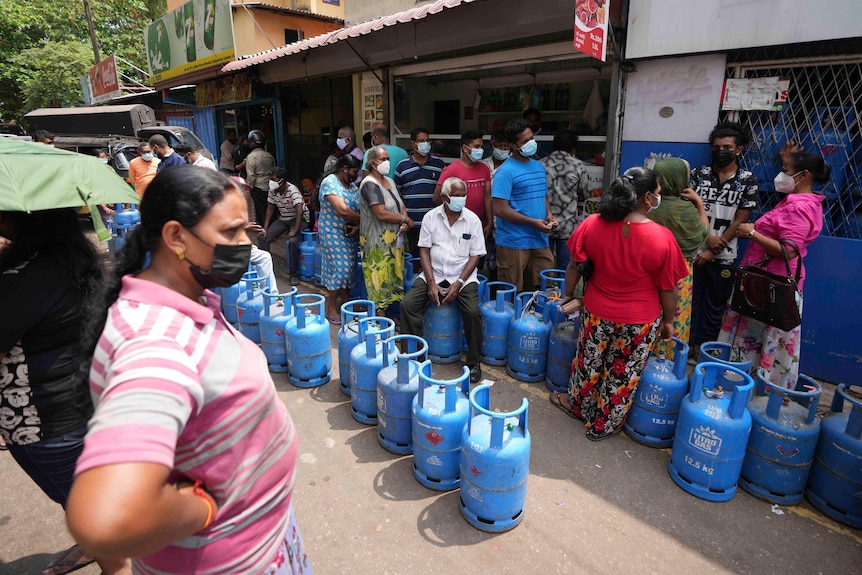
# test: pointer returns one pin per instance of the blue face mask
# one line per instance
(501, 154)
(529, 149)
(147, 157)
(424, 148)
(658, 203)
(476, 154)
(457, 203)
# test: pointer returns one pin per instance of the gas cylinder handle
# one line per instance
(480, 396)
(854, 420)
(451, 400)
(680, 358)
(404, 366)
(425, 379)
(480, 401)
(348, 313)
(807, 394)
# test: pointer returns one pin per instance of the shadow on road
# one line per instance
(390, 485)
(442, 525)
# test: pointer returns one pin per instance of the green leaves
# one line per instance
(49, 76)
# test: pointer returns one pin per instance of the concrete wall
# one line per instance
(250, 39)
(358, 11)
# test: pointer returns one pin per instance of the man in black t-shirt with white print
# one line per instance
(729, 194)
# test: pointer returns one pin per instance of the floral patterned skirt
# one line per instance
(606, 370)
(291, 558)
(682, 318)
(765, 346)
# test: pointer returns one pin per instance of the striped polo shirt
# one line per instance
(416, 183)
(174, 384)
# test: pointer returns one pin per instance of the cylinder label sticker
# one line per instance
(705, 439)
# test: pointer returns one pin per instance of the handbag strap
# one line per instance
(793, 245)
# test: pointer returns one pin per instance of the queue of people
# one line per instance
(673, 233)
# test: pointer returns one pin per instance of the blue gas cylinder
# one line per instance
(655, 410)
(783, 439)
(553, 283)
(124, 221)
(277, 311)
(835, 481)
(229, 297)
(307, 340)
(495, 464)
(249, 306)
(481, 289)
(366, 361)
(497, 314)
(527, 350)
(397, 385)
(409, 272)
(440, 412)
(318, 260)
(562, 347)
(358, 290)
(713, 429)
(348, 337)
(306, 256)
(442, 328)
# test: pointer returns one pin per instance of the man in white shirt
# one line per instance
(194, 157)
(451, 242)
(227, 152)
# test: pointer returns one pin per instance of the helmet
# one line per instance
(256, 139)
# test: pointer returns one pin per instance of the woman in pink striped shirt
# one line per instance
(188, 464)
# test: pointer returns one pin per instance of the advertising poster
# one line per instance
(372, 103)
(755, 94)
(591, 27)
(104, 83)
(197, 35)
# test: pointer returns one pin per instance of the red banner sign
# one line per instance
(591, 27)
(104, 81)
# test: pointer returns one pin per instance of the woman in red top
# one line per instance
(630, 299)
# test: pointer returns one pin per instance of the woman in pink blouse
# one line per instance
(798, 217)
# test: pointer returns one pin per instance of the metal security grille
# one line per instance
(823, 113)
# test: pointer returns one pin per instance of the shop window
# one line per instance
(291, 36)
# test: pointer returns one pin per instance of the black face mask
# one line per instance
(722, 158)
(230, 262)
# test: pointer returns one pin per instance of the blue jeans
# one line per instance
(51, 462)
(562, 256)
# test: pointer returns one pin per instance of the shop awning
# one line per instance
(412, 15)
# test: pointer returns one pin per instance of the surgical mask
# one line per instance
(148, 157)
(476, 154)
(722, 158)
(424, 148)
(658, 203)
(529, 149)
(784, 183)
(341, 143)
(274, 185)
(230, 262)
(104, 160)
(457, 203)
(383, 167)
(50, 145)
(501, 154)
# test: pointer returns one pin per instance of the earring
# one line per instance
(181, 253)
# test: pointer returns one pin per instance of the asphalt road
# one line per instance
(600, 508)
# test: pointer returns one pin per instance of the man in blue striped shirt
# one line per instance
(416, 178)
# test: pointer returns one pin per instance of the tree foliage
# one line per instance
(50, 75)
(119, 26)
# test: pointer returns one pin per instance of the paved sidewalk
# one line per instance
(601, 508)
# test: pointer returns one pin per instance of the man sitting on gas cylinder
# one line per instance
(450, 245)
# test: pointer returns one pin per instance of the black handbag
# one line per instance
(768, 297)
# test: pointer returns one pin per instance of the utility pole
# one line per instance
(89, 17)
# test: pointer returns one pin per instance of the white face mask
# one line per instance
(501, 154)
(658, 202)
(424, 148)
(341, 143)
(147, 157)
(457, 203)
(274, 185)
(476, 154)
(383, 167)
(784, 183)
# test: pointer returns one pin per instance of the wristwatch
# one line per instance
(461, 281)
(751, 233)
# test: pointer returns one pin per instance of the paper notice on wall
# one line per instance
(591, 27)
(755, 93)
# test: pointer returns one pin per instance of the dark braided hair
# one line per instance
(184, 194)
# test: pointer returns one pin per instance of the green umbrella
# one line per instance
(36, 177)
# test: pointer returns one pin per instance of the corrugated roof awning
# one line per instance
(418, 13)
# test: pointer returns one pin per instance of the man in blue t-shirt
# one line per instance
(522, 210)
(380, 137)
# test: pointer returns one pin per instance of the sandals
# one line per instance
(594, 437)
(559, 405)
(70, 560)
(334, 320)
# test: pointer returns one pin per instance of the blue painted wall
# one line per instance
(832, 314)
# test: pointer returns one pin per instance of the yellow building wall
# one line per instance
(251, 37)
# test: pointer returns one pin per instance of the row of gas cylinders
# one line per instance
(727, 429)
(527, 332)
(455, 439)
